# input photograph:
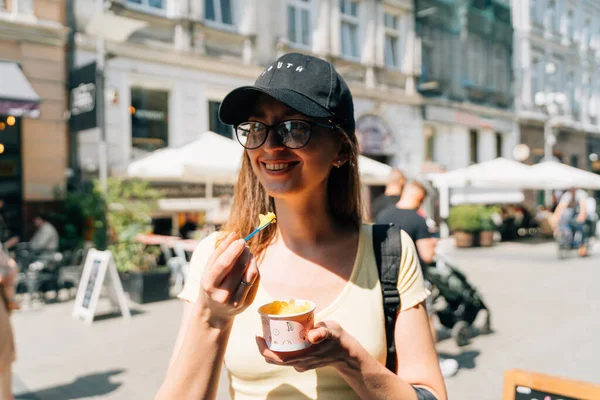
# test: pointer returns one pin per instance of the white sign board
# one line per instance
(99, 271)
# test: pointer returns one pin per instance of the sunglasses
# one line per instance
(294, 134)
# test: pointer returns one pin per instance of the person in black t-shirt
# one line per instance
(391, 196)
(405, 215)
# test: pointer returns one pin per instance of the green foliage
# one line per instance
(472, 218)
(79, 213)
(485, 218)
(130, 203)
(464, 218)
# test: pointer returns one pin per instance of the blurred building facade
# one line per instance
(557, 73)
(164, 83)
(33, 127)
(466, 80)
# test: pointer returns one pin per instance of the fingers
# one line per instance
(299, 363)
(224, 263)
(319, 333)
(238, 271)
(250, 275)
(221, 248)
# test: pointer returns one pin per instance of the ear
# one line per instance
(343, 154)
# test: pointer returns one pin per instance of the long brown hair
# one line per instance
(250, 199)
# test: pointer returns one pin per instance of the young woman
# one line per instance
(297, 125)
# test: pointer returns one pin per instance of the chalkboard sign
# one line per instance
(99, 271)
(91, 283)
(525, 385)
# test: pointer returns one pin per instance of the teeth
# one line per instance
(276, 167)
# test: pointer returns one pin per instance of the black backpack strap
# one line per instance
(387, 246)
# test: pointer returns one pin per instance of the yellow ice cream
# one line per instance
(285, 308)
(265, 219)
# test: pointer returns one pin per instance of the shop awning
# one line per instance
(17, 96)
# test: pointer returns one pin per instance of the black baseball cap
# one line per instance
(307, 84)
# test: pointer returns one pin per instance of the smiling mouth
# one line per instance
(280, 167)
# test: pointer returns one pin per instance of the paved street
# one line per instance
(545, 315)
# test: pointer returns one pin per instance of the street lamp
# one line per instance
(105, 25)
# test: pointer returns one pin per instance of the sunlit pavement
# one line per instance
(545, 313)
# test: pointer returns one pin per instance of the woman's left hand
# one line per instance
(328, 349)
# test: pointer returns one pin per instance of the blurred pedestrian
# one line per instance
(391, 196)
(45, 238)
(189, 226)
(571, 213)
(408, 216)
(8, 273)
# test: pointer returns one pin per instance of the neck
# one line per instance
(408, 204)
(306, 219)
(392, 192)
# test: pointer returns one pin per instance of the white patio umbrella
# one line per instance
(373, 172)
(497, 173)
(556, 175)
(160, 165)
(211, 158)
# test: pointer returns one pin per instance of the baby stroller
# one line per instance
(461, 302)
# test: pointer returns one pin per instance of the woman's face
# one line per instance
(283, 171)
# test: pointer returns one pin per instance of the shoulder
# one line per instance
(202, 253)
(410, 277)
(206, 246)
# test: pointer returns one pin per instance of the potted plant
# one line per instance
(130, 203)
(465, 223)
(487, 225)
(78, 216)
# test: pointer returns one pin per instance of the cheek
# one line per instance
(322, 152)
(253, 157)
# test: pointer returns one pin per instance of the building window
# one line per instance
(499, 144)
(150, 4)
(431, 66)
(17, 6)
(476, 57)
(214, 123)
(501, 68)
(536, 77)
(149, 119)
(534, 10)
(570, 24)
(298, 13)
(586, 34)
(392, 40)
(473, 145)
(11, 181)
(218, 11)
(349, 28)
(571, 92)
(552, 17)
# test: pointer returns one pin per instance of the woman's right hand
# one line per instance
(230, 281)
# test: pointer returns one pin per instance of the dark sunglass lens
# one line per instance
(251, 134)
(294, 134)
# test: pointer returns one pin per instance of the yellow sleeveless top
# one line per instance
(358, 309)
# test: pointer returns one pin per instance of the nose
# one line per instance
(274, 142)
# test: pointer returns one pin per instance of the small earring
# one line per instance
(339, 164)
